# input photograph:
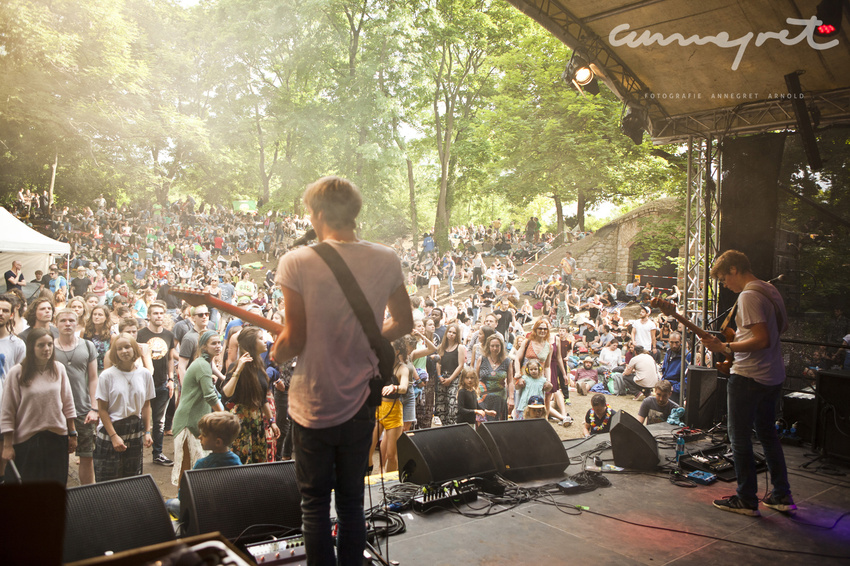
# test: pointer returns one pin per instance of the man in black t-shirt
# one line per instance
(161, 345)
(14, 278)
(172, 303)
(487, 297)
(657, 408)
(504, 317)
(80, 284)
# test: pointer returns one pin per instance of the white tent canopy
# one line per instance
(19, 242)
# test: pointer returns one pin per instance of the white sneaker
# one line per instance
(436, 422)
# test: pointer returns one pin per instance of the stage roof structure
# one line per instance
(707, 68)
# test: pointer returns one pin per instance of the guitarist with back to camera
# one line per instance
(755, 384)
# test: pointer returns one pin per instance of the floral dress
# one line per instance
(252, 444)
(493, 382)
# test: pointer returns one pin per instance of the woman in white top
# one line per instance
(124, 394)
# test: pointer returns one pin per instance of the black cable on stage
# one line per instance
(547, 494)
(813, 475)
(283, 528)
(824, 527)
(722, 539)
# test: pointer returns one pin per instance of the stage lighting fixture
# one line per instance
(580, 75)
(634, 123)
(829, 13)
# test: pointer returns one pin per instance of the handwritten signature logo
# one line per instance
(647, 38)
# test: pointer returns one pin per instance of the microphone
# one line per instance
(308, 236)
(777, 279)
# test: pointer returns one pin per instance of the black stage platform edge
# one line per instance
(538, 533)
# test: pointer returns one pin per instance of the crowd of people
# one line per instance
(104, 366)
(185, 361)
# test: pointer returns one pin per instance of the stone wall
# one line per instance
(607, 254)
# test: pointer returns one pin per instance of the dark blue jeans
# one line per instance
(284, 441)
(158, 406)
(753, 405)
(335, 459)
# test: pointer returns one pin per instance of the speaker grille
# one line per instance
(230, 500)
(443, 453)
(114, 516)
(833, 416)
(703, 397)
(525, 450)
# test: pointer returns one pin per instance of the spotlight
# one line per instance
(580, 76)
(829, 13)
(633, 123)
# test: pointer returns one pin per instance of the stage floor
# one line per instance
(630, 521)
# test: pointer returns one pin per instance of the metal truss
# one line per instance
(552, 15)
(702, 228)
(751, 117)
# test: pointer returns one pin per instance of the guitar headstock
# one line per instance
(192, 296)
(668, 308)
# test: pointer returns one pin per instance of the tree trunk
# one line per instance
(559, 210)
(411, 184)
(582, 202)
(52, 184)
(444, 150)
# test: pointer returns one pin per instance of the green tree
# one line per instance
(551, 140)
(460, 40)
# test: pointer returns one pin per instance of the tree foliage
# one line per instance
(442, 111)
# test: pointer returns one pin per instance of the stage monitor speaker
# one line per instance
(633, 445)
(525, 450)
(799, 408)
(706, 397)
(231, 499)
(113, 516)
(443, 453)
(832, 416)
(32, 523)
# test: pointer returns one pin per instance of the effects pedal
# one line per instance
(569, 486)
(691, 434)
(702, 478)
(445, 496)
(286, 550)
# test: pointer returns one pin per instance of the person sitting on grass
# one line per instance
(598, 417)
(586, 376)
(657, 408)
(219, 430)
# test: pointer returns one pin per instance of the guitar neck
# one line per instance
(196, 298)
(691, 326)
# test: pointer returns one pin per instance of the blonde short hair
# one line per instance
(338, 199)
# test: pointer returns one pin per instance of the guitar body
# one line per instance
(723, 367)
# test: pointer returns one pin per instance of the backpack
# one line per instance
(616, 385)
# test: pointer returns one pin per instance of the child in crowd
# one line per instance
(536, 408)
(531, 384)
(598, 417)
(657, 408)
(218, 431)
(468, 408)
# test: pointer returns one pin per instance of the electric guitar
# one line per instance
(669, 309)
(197, 298)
